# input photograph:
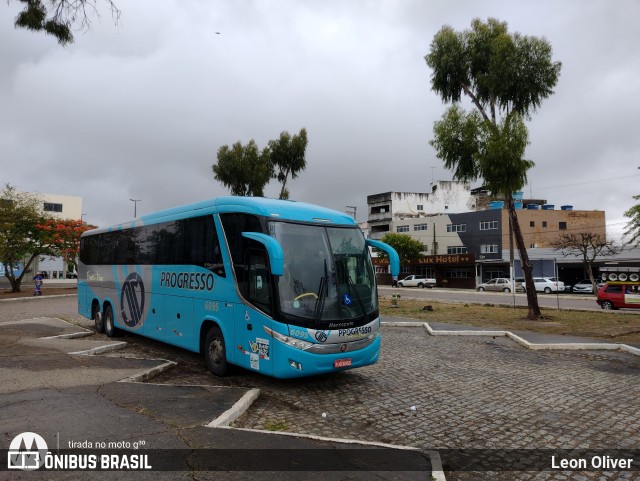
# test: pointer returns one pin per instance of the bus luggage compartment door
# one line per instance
(179, 322)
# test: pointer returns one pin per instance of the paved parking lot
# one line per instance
(442, 393)
(462, 393)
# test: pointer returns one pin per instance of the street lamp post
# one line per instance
(135, 206)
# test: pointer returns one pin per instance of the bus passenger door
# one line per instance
(253, 343)
(155, 324)
(179, 320)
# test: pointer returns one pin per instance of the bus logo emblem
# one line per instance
(132, 299)
(321, 336)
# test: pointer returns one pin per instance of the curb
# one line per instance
(244, 403)
(437, 473)
(235, 411)
(100, 349)
(150, 373)
(570, 346)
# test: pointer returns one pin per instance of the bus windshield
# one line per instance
(327, 274)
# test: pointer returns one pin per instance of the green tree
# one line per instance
(506, 76)
(60, 16)
(20, 239)
(406, 246)
(243, 169)
(633, 227)
(287, 156)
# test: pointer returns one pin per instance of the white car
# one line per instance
(584, 286)
(417, 281)
(548, 284)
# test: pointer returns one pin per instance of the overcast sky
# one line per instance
(139, 109)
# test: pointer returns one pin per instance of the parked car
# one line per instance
(544, 284)
(585, 286)
(616, 296)
(500, 284)
(417, 281)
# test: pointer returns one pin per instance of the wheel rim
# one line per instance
(215, 351)
(108, 322)
(607, 305)
(98, 321)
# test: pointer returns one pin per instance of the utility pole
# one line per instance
(434, 247)
(135, 207)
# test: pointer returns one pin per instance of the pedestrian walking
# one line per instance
(394, 283)
(37, 279)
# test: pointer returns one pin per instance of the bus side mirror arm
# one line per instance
(394, 259)
(276, 255)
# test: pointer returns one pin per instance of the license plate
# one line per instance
(342, 362)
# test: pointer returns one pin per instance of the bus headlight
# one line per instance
(289, 341)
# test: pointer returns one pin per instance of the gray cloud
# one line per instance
(138, 110)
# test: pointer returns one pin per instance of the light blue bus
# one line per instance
(280, 287)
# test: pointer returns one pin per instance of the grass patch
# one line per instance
(622, 327)
(275, 426)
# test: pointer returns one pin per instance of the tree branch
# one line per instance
(477, 103)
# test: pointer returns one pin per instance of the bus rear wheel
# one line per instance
(98, 322)
(215, 354)
(109, 325)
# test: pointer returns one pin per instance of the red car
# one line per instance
(616, 295)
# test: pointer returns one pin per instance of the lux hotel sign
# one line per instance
(432, 260)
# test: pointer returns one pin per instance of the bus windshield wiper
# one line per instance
(353, 286)
(322, 294)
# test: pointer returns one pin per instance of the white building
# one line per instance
(445, 197)
(68, 207)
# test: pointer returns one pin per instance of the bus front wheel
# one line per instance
(215, 353)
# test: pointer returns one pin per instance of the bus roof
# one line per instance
(262, 206)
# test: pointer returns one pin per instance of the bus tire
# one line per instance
(98, 322)
(109, 324)
(215, 353)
